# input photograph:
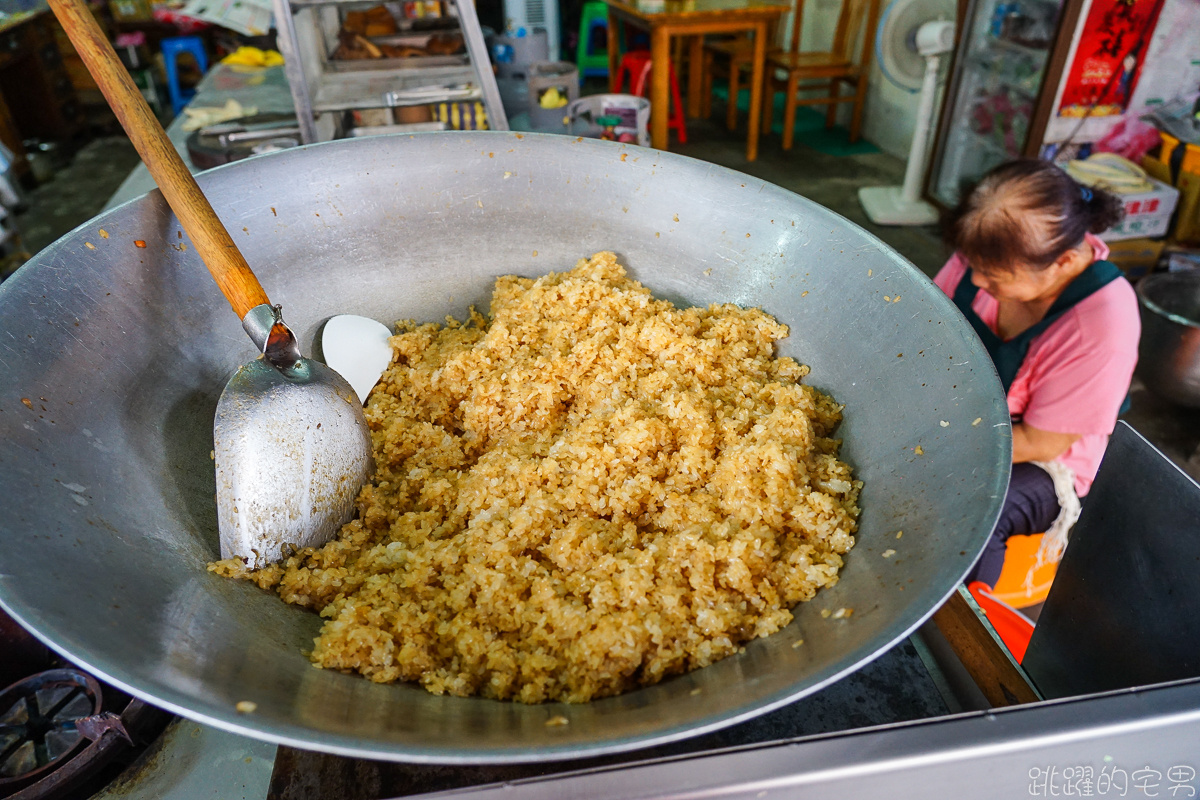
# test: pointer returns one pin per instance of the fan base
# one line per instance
(886, 205)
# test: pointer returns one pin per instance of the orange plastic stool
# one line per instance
(1019, 558)
(636, 66)
(1015, 628)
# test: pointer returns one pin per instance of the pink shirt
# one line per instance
(1077, 372)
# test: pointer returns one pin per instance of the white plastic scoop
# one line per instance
(357, 349)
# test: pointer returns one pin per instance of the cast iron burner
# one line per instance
(63, 734)
(39, 723)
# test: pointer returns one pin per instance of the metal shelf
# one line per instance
(323, 89)
(414, 64)
(1038, 53)
(389, 88)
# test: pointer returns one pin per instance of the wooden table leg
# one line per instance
(756, 89)
(695, 68)
(660, 72)
(614, 51)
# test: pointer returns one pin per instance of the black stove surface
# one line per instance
(896, 687)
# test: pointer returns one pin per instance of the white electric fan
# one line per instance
(913, 36)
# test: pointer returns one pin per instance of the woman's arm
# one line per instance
(1033, 444)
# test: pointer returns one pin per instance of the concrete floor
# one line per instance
(832, 181)
(77, 192)
(80, 190)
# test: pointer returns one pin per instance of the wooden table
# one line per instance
(701, 17)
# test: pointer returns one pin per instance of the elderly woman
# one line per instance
(1061, 325)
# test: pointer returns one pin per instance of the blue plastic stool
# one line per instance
(171, 49)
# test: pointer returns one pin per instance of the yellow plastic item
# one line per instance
(552, 98)
(1186, 157)
(1019, 558)
(462, 116)
(1191, 157)
(253, 57)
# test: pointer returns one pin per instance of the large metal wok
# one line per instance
(113, 357)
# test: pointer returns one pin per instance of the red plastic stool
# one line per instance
(1015, 628)
(636, 66)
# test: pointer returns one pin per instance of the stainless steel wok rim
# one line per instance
(349, 747)
(1148, 283)
(312, 738)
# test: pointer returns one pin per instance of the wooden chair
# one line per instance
(832, 68)
(729, 57)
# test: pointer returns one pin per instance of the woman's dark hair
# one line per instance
(1024, 215)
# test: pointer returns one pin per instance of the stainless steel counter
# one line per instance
(1139, 743)
(196, 762)
(265, 89)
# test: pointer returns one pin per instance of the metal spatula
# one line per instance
(292, 445)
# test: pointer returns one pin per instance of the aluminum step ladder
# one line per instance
(322, 88)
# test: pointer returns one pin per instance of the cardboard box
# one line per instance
(1136, 257)
(1147, 214)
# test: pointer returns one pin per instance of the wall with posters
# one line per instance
(1116, 79)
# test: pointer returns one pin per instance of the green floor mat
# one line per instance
(810, 126)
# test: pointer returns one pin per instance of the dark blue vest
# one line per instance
(1008, 355)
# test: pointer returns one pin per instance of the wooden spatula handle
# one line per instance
(200, 222)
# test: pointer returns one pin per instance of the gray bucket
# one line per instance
(513, 55)
(546, 75)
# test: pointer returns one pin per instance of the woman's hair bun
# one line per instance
(1105, 208)
(1026, 214)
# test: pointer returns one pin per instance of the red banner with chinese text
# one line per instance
(1108, 60)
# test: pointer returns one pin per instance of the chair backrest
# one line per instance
(850, 21)
(792, 38)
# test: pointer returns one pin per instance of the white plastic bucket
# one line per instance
(634, 112)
